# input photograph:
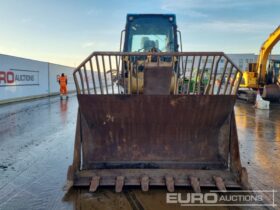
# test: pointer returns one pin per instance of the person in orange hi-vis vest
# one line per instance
(63, 84)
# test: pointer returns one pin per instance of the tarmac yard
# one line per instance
(36, 148)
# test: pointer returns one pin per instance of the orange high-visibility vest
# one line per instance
(63, 81)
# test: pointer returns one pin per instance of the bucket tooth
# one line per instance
(220, 183)
(195, 184)
(119, 183)
(68, 185)
(244, 179)
(145, 183)
(170, 183)
(94, 183)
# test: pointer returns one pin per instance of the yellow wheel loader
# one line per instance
(153, 116)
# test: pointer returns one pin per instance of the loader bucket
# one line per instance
(154, 137)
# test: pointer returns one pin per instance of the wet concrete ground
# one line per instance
(36, 147)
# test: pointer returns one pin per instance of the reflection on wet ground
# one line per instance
(36, 147)
(259, 136)
(129, 199)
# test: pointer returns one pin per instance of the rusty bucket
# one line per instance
(186, 137)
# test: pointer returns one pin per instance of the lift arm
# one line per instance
(264, 53)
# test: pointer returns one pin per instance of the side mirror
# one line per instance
(180, 38)
(121, 41)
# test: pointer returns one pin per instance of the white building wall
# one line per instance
(242, 60)
(22, 78)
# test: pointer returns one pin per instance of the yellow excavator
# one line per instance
(260, 76)
(152, 115)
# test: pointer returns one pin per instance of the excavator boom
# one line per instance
(259, 78)
(265, 50)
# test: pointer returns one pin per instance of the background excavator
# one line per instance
(263, 75)
(153, 116)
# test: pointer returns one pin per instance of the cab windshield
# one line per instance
(150, 34)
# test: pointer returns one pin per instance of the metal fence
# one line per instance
(197, 73)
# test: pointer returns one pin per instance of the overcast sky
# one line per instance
(66, 31)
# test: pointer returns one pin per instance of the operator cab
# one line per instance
(273, 71)
(150, 33)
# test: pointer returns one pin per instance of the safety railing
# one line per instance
(201, 73)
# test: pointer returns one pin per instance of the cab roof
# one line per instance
(129, 16)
